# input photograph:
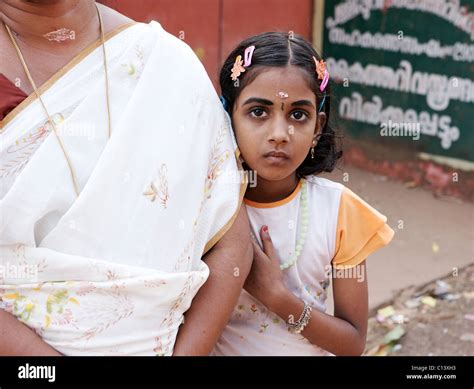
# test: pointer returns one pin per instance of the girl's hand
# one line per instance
(265, 280)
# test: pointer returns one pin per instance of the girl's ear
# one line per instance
(320, 123)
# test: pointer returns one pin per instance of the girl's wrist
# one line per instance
(285, 304)
(279, 297)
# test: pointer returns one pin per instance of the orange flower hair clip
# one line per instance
(237, 69)
(239, 65)
(322, 73)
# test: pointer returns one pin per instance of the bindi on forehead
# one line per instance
(282, 95)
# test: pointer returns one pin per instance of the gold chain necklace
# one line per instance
(38, 95)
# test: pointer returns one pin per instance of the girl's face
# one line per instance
(275, 121)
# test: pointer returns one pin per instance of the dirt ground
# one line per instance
(440, 325)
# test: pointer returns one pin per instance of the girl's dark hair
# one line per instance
(278, 49)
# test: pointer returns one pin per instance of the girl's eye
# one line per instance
(299, 116)
(257, 113)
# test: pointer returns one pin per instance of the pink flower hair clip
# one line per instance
(239, 65)
(322, 73)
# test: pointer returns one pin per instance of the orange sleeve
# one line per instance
(361, 230)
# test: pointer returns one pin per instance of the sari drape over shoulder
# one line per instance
(111, 271)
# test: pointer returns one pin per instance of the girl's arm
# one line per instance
(341, 334)
(16, 339)
(229, 262)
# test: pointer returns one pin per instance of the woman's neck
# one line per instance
(51, 24)
(267, 191)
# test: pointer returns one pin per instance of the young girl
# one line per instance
(307, 229)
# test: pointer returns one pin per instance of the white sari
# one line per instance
(112, 271)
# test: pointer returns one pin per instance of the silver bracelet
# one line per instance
(298, 326)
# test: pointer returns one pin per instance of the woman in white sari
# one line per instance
(104, 225)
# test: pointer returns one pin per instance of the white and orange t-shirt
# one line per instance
(343, 230)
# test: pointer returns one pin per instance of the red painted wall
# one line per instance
(213, 27)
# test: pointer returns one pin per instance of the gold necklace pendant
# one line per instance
(61, 35)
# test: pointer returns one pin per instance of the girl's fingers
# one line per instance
(267, 242)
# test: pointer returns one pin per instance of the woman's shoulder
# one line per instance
(113, 19)
(175, 49)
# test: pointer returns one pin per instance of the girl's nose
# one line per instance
(279, 131)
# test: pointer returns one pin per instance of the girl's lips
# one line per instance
(276, 157)
(277, 154)
(276, 160)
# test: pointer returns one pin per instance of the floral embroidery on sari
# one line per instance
(60, 306)
(216, 160)
(183, 262)
(114, 307)
(154, 283)
(18, 154)
(165, 346)
(163, 193)
(151, 192)
(159, 187)
(24, 307)
(134, 67)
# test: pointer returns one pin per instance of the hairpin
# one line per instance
(322, 72)
(321, 105)
(224, 102)
(239, 65)
(248, 56)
